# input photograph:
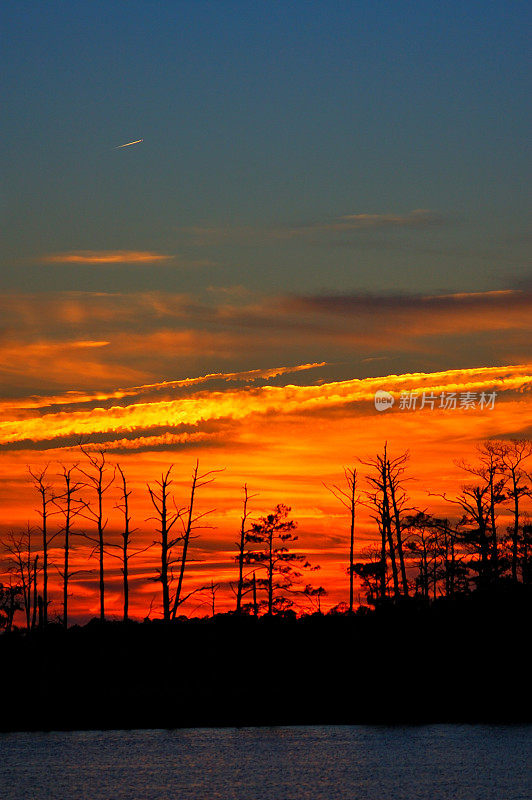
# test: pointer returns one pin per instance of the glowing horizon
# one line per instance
(284, 441)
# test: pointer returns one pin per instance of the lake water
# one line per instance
(452, 762)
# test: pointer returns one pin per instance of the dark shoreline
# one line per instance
(456, 661)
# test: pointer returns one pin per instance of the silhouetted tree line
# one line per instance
(416, 554)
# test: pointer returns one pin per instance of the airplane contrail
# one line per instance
(128, 144)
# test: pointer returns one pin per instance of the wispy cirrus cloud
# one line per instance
(73, 398)
(204, 407)
(347, 223)
(107, 257)
(419, 218)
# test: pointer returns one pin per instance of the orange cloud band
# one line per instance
(106, 257)
(238, 404)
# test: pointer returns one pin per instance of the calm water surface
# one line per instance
(292, 763)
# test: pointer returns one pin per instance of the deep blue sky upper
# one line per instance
(269, 129)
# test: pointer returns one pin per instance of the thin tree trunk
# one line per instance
(241, 547)
(494, 546)
(186, 539)
(515, 531)
(101, 558)
(65, 579)
(391, 548)
(164, 561)
(255, 606)
(96, 476)
(65, 565)
(126, 585)
(425, 572)
(453, 569)
(126, 532)
(34, 613)
(382, 572)
(352, 544)
(387, 523)
(398, 535)
(182, 565)
(46, 494)
(44, 563)
(270, 574)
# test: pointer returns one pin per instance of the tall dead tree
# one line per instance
(388, 501)
(189, 521)
(70, 507)
(396, 468)
(378, 501)
(241, 545)
(348, 498)
(174, 547)
(125, 554)
(255, 601)
(162, 501)
(45, 491)
(96, 478)
(525, 553)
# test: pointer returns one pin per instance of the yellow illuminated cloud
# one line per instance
(240, 403)
(73, 397)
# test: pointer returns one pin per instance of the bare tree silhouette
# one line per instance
(45, 491)
(174, 548)
(162, 500)
(418, 553)
(396, 469)
(189, 521)
(241, 544)
(96, 478)
(378, 499)
(387, 500)
(348, 498)
(127, 531)
(70, 506)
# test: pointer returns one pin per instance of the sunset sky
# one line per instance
(329, 198)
